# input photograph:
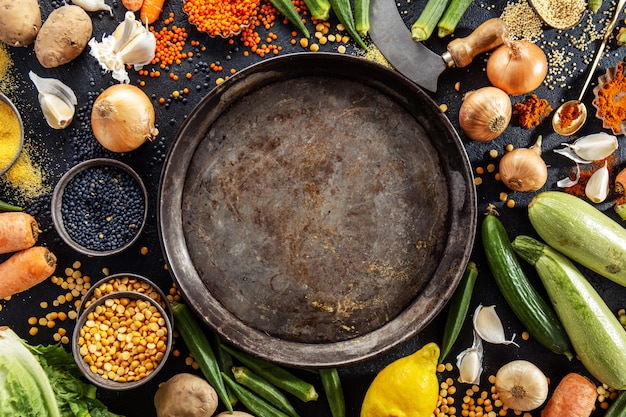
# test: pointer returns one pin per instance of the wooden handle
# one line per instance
(484, 38)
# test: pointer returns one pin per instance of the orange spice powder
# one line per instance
(532, 111)
(611, 100)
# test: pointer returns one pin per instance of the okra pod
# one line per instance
(319, 9)
(287, 9)
(451, 17)
(4, 206)
(343, 11)
(198, 344)
(428, 19)
(224, 362)
(264, 389)
(594, 5)
(280, 377)
(362, 16)
(459, 305)
(334, 391)
(257, 405)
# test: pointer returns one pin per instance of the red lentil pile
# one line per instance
(219, 17)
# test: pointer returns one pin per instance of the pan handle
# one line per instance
(462, 51)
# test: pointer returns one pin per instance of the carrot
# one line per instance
(18, 231)
(25, 269)
(151, 10)
(132, 5)
(575, 396)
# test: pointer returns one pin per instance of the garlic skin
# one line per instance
(597, 188)
(93, 5)
(470, 362)
(485, 113)
(521, 385)
(57, 101)
(488, 326)
(590, 148)
(567, 181)
(130, 44)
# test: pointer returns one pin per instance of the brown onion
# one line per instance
(485, 113)
(523, 169)
(517, 67)
(122, 118)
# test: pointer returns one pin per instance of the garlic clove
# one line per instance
(568, 152)
(567, 181)
(57, 101)
(470, 362)
(595, 147)
(597, 188)
(488, 326)
(93, 5)
(139, 51)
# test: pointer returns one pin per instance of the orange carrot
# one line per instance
(132, 5)
(18, 231)
(575, 396)
(25, 269)
(151, 10)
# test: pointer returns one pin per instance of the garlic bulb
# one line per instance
(485, 113)
(590, 148)
(470, 362)
(93, 5)
(57, 101)
(521, 385)
(488, 326)
(130, 44)
(597, 188)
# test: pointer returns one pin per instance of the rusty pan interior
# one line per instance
(317, 209)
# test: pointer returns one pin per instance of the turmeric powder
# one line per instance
(611, 101)
(532, 111)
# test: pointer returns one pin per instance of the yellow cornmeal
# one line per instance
(10, 135)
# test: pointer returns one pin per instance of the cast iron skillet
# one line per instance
(317, 209)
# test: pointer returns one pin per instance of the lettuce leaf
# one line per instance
(43, 381)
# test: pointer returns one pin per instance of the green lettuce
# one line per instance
(43, 381)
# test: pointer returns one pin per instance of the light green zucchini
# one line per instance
(581, 232)
(595, 332)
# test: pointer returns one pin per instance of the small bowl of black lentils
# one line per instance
(99, 207)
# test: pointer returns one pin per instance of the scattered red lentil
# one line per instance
(220, 18)
(170, 43)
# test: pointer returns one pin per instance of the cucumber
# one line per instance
(581, 232)
(596, 334)
(530, 308)
(618, 408)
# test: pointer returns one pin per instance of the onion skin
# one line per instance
(122, 118)
(517, 67)
(485, 113)
(523, 169)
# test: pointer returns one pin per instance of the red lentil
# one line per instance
(220, 18)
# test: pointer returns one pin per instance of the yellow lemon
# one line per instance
(407, 387)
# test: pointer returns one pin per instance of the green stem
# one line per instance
(4, 206)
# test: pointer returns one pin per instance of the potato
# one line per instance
(63, 36)
(20, 21)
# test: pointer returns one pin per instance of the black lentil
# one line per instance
(102, 208)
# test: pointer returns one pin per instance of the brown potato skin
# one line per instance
(20, 21)
(63, 36)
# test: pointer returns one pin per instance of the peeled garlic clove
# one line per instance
(488, 326)
(93, 5)
(470, 362)
(597, 188)
(57, 101)
(595, 147)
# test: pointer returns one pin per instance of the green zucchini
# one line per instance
(530, 308)
(581, 232)
(596, 334)
(618, 408)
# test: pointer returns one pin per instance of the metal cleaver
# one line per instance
(393, 38)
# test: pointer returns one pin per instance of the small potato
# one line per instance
(20, 21)
(233, 414)
(185, 395)
(63, 36)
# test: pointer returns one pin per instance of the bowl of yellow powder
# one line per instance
(11, 134)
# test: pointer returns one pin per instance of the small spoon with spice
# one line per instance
(572, 114)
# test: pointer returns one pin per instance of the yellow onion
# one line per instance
(485, 113)
(523, 169)
(517, 67)
(521, 385)
(122, 118)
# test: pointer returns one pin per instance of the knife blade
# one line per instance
(414, 60)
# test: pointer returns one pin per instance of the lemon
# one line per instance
(407, 387)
